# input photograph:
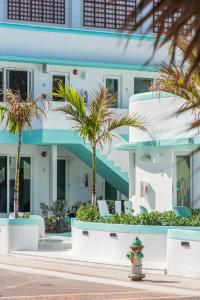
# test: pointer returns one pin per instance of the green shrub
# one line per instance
(168, 218)
(88, 213)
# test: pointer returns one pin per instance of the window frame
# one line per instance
(5, 85)
(37, 8)
(57, 73)
(119, 98)
(117, 12)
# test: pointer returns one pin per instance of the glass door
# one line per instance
(3, 185)
(61, 179)
(25, 184)
(183, 180)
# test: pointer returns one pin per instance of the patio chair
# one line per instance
(143, 209)
(103, 208)
(182, 211)
(128, 207)
(118, 207)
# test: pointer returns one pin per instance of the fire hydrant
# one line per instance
(135, 255)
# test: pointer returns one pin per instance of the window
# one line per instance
(55, 80)
(142, 85)
(105, 14)
(18, 80)
(25, 183)
(168, 22)
(48, 11)
(183, 180)
(112, 85)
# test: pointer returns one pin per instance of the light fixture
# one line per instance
(146, 157)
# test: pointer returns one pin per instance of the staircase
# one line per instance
(106, 168)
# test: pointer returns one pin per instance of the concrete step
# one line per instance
(53, 244)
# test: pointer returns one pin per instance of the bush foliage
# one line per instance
(90, 213)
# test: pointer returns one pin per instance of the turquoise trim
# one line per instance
(42, 137)
(65, 234)
(159, 143)
(77, 31)
(18, 222)
(76, 63)
(150, 96)
(188, 235)
(142, 229)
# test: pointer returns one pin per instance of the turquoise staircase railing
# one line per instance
(105, 168)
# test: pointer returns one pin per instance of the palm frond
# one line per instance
(186, 22)
(71, 96)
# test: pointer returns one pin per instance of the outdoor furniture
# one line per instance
(118, 207)
(128, 207)
(103, 208)
(142, 209)
(182, 211)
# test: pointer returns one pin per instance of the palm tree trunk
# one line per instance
(16, 187)
(94, 167)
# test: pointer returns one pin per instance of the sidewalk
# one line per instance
(158, 286)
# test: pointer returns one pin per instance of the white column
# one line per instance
(76, 13)
(54, 158)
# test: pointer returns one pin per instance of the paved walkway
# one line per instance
(22, 278)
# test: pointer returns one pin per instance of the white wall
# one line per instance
(159, 179)
(162, 120)
(78, 46)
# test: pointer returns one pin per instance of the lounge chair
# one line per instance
(118, 207)
(128, 207)
(142, 209)
(182, 211)
(103, 208)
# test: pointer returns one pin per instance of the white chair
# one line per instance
(118, 207)
(128, 207)
(103, 208)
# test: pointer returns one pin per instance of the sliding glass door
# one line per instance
(25, 183)
(3, 185)
(7, 181)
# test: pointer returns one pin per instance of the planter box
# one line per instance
(18, 234)
(109, 243)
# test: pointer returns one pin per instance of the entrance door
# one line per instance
(183, 180)
(25, 184)
(61, 179)
(3, 185)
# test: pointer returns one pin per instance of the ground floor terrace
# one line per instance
(55, 171)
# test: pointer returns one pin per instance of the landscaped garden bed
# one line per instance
(90, 213)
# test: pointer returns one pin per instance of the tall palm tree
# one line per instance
(18, 115)
(174, 79)
(184, 14)
(96, 122)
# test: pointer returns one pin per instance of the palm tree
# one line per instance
(185, 16)
(96, 122)
(174, 79)
(18, 115)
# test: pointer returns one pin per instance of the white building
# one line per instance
(77, 42)
(165, 161)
